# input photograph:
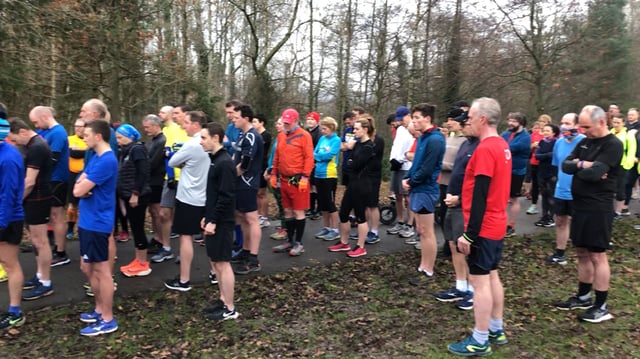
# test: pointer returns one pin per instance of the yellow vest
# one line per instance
(629, 146)
(175, 135)
(76, 165)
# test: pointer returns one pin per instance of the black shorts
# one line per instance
(156, 194)
(516, 185)
(453, 224)
(326, 188)
(485, 256)
(187, 219)
(37, 212)
(374, 198)
(247, 200)
(94, 246)
(59, 191)
(220, 244)
(592, 230)
(562, 207)
(13, 233)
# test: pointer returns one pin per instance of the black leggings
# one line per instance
(136, 217)
(353, 199)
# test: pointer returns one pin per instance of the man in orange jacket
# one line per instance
(292, 166)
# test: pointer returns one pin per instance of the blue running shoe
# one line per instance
(470, 347)
(353, 235)
(90, 317)
(323, 232)
(451, 295)
(372, 238)
(498, 337)
(100, 327)
(38, 292)
(466, 303)
(332, 235)
(31, 283)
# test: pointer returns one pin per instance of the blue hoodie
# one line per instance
(11, 185)
(427, 162)
(520, 146)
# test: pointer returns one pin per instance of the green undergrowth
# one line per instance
(357, 308)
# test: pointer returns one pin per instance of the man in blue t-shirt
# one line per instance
(43, 117)
(562, 195)
(11, 223)
(96, 187)
(248, 161)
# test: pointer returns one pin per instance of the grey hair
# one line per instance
(488, 107)
(596, 113)
(168, 109)
(153, 119)
(98, 106)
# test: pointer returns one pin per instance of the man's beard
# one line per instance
(515, 129)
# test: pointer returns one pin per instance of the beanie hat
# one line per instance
(314, 115)
(128, 131)
(4, 129)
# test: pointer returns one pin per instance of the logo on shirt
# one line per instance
(507, 154)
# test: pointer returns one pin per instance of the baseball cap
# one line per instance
(314, 115)
(462, 118)
(4, 129)
(454, 112)
(401, 112)
(289, 116)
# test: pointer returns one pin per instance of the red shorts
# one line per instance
(293, 198)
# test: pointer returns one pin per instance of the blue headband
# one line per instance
(128, 131)
(4, 128)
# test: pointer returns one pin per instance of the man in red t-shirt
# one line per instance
(485, 193)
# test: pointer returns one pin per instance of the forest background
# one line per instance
(534, 56)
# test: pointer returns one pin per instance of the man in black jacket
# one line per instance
(219, 220)
(152, 125)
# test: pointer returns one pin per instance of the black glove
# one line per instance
(172, 184)
(395, 165)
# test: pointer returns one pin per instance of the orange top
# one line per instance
(294, 154)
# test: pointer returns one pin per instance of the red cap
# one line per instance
(289, 116)
(314, 115)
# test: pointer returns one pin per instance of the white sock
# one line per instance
(46, 283)
(461, 285)
(168, 249)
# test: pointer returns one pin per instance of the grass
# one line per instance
(357, 308)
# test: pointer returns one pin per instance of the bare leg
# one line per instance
(186, 256)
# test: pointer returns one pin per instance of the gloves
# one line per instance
(303, 184)
(395, 165)
(273, 181)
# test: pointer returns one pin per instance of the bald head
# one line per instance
(166, 113)
(43, 117)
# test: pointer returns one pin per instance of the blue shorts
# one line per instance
(485, 256)
(423, 203)
(94, 246)
(247, 200)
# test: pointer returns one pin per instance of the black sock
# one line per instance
(70, 226)
(560, 252)
(299, 229)
(584, 289)
(290, 225)
(601, 298)
(61, 253)
(253, 258)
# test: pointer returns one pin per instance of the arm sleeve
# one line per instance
(9, 186)
(142, 168)
(478, 206)
(360, 159)
(77, 153)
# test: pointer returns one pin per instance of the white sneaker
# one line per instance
(407, 232)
